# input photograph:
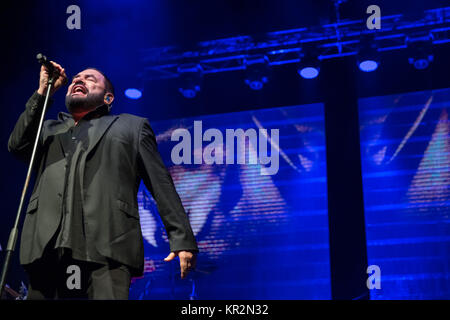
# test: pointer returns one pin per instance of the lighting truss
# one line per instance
(283, 47)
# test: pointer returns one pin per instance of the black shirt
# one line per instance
(72, 233)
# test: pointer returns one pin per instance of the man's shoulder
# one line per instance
(131, 117)
(51, 123)
(130, 122)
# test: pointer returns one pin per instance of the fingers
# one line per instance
(187, 263)
(59, 77)
(170, 257)
(62, 77)
(184, 268)
(45, 70)
(57, 66)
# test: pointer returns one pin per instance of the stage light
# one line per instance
(367, 54)
(189, 92)
(309, 72)
(368, 65)
(133, 93)
(190, 78)
(256, 71)
(308, 66)
(256, 84)
(420, 50)
(421, 62)
(135, 83)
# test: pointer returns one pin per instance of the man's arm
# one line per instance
(158, 180)
(22, 138)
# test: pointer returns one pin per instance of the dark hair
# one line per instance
(108, 84)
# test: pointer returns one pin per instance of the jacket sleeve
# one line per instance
(159, 182)
(22, 138)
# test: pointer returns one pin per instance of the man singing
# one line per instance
(82, 218)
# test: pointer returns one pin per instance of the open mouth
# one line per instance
(79, 89)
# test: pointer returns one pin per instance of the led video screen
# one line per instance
(257, 206)
(406, 177)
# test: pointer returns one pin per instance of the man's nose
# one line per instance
(79, 82)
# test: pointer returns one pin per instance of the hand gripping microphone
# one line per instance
(46, 63)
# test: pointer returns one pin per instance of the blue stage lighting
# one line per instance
(133, 93)
(309, 64)
(256, 84)
(368, 65)
(309, 72)
(421, 63)
(190, 80)
(368, 57)
(420, 47)
(189, 92)
(256, 71)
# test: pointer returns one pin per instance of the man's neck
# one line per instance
(78, 115)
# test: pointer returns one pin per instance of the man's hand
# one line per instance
(59, 82)
(188, 260)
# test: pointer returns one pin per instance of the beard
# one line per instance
(87, 103)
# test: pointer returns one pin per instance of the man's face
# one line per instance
(86, 91)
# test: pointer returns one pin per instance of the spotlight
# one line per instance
(308, 66)
(256, 71)
(133, 93)
(136, 86)
(368, 65)
(368, 54)
(309, 72)
(190, 80)
(420, 50)
(189, 91)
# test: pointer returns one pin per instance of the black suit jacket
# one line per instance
(121, 150)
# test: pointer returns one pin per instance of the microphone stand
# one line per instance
(15, 230)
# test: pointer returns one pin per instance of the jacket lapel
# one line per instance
(95, 133)
(98, 129)
(67, 122)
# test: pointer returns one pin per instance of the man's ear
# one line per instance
(108, 98)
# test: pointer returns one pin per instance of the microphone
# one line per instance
(46, 63)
